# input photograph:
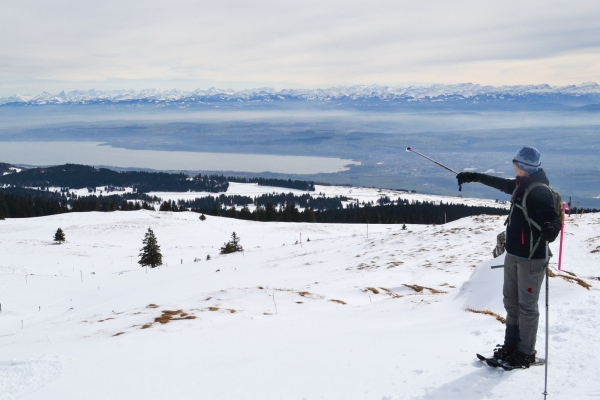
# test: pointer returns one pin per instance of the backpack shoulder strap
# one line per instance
(512, 206)
(523, 205)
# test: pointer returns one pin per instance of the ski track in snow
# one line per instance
(333, 318)
(19, 378)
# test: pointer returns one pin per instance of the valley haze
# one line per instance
(465, 126)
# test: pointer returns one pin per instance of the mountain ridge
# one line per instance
(584, 94)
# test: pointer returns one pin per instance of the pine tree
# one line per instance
(233, 245)
(59, 236)
(208, 257)
(202, 217)
(150, 253)
(403, 227)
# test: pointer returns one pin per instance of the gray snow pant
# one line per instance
(522, 283)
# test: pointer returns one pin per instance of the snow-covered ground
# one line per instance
(330, 318)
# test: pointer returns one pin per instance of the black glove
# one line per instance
(550, 231)
(466, 177)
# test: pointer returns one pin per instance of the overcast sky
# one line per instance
(108, 44)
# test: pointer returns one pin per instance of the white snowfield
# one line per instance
(336, 317)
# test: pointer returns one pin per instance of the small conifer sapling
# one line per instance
(59, 236)
(233, 245)
(150, 254)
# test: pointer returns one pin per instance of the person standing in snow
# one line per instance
(523, 272)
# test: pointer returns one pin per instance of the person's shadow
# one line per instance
(474, 386)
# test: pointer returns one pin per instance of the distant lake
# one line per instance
(95, 153)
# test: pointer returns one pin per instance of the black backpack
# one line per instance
(557, 199)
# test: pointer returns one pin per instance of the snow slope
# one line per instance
(281, 320)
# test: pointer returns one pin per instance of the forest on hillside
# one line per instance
(77, 176)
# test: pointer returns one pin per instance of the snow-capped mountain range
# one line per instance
(583, 94)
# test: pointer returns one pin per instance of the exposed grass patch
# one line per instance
(146, 326)
(394, 264)
(299, 302)
(372, 289)
(487, 312)
(419, 289)
(213, 308)
(231, 310)
(261, 288)
(338, 301)
(102, 320)
(570, 278)
(303, 294)
(390, 293)
(118, 334)
(171, 315)
(151, 306)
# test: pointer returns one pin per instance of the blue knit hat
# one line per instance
(528, 159)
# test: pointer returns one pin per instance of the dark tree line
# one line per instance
(6, 168)
(35, 203)
(81, 176)
(402, 211)
(277, 199)
(23, 203)
(285, 183)
(14, 206)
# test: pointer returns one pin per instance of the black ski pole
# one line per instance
(547, 324)
(409, 149)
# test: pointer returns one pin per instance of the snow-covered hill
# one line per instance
(342, 316)
(585, 93)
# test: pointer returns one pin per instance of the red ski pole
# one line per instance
(562, 232)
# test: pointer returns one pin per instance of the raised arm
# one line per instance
(502, 184)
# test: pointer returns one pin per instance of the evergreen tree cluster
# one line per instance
(37, 203)
(277, 199)
(6, 168)
(80, 176)
(303, 201)
(285, 183)
(399, 212)
(233, 245)
(14, 206)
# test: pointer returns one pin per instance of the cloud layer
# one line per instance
(132, 44)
